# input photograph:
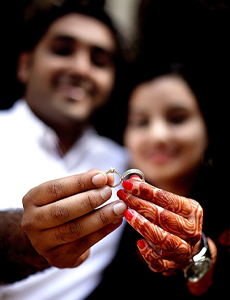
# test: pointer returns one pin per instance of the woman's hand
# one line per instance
(60, 217)
(171, 225)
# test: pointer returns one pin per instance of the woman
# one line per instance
(170, 138)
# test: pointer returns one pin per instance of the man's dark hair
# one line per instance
(40, 14)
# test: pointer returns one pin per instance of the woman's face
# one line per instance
(166, 133)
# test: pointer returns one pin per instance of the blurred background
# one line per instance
(124, 13)
(194, 30)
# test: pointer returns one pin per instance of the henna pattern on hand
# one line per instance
(170, 222)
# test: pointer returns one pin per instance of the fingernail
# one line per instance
(122, 194)
(106, 192)
(119, 208)
(141, 244)
(135, 177)
(128, 185)
(98, 179)
(128, 214)
(117, 221)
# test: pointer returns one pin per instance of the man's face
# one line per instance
(71, 71)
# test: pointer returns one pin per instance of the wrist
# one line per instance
(200, 264)
(202, 285)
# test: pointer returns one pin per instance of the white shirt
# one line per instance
(29, 155)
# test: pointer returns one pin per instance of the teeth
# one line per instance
(77, 93)
(70, 89)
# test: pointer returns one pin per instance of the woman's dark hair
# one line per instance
(189, 38)
(209, 84)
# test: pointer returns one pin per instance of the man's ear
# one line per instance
(23, 68)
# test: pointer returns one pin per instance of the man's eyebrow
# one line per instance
(62, 37)
(73, 39)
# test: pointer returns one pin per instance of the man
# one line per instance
(69, 69)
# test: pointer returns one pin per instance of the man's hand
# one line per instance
(18, 258)
(61, 219)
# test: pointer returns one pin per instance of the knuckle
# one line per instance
(91, 201)
(69, 232)
(26, 225)
(59, 236)
(75, 229)
(81, 184)
(156, 266)
(193, 240)
(55, 189)
(59, 212)
(72, 254)
(29, 224)
(103, 218)
(26, 200)
(32, 195)
(39, 218)
(82, 244)
(54, 258)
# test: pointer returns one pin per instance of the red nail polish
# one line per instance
(122, 194)
(141, 244)
(129, 214)
(135, 177)
(128, 185)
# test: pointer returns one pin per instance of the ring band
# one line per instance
(125, 174)
(112, 170)
(135, 172)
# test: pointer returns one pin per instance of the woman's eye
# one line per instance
(137, 123)
(177, 119)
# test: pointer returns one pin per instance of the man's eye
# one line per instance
(62, 50)
(62, 46)
(102, 58)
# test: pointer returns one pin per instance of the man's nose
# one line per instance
(81, 63)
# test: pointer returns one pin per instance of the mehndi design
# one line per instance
(172, 224)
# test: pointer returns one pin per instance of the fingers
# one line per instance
(180, 205)
(70, 208)
(78, 228)
(176, 214)
(72, 254)
(163, 218)
(155, 261)
(59, 201)
(61, 219)
(172, 224)
(171, 247)
(54, 190)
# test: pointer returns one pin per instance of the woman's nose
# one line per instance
(159, 130)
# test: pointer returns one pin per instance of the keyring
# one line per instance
(125, 174)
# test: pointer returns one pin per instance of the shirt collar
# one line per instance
(48, 140)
